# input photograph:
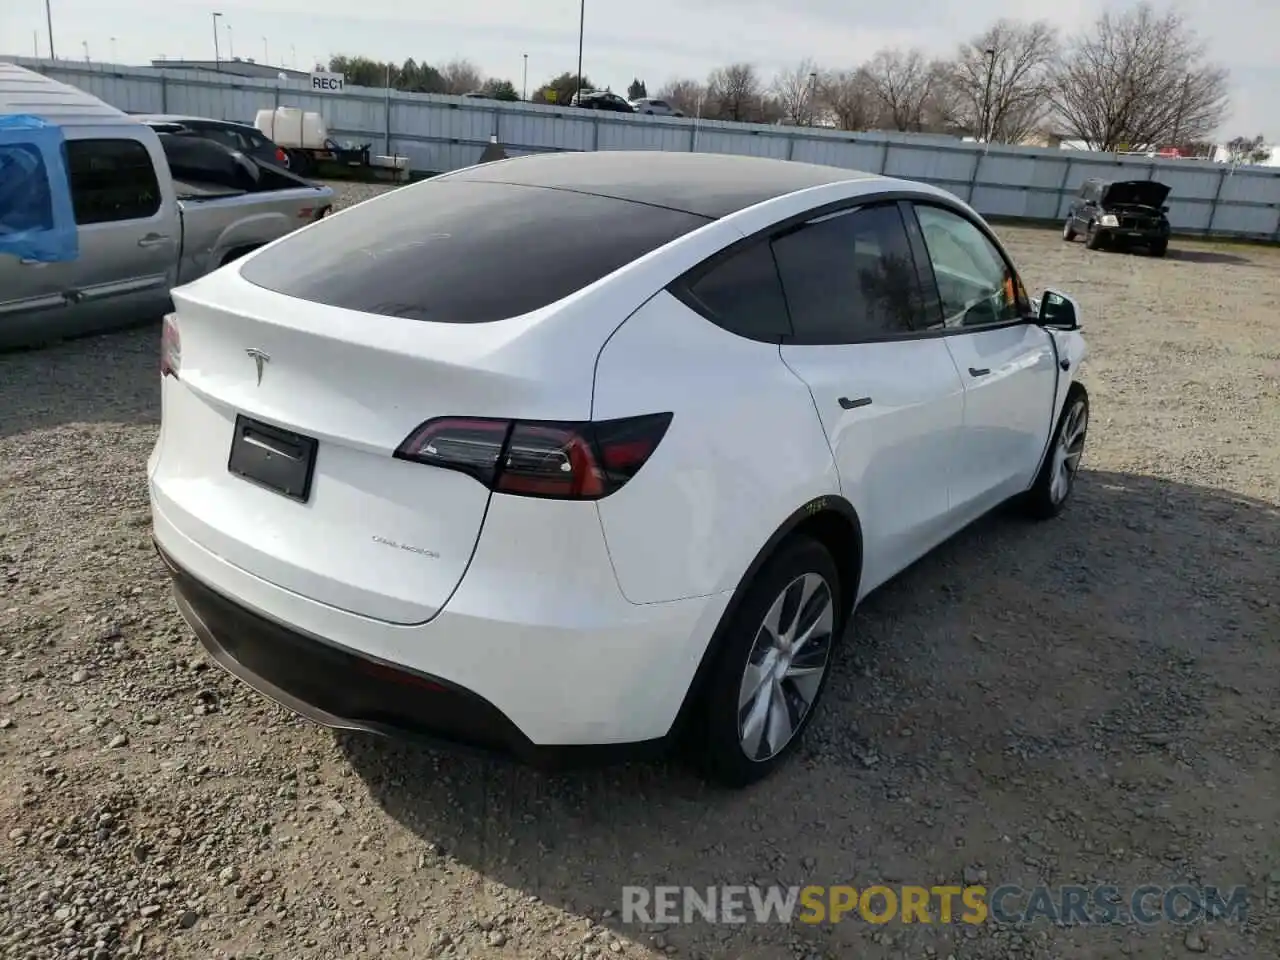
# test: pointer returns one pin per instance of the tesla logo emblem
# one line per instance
(260, 357)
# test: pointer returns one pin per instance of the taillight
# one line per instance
(281, 157)
(530, 458)
(170, 347)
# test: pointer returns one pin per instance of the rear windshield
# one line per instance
(453, 251)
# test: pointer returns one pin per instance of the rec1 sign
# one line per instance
(326, 82)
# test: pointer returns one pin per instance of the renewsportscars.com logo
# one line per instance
(881, 904)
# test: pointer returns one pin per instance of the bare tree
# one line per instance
(999, 82)
(795, 92)
(849, 97)
(1248, 150)
(1140, 78)
(903, 82)
(733, 93)
(687, 96)
(461, 76)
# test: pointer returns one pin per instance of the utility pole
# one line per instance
(217, 57)
(48, 16)
(582, 19)
(986, 96)
(524, 83)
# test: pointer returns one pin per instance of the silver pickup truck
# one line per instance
(147, 216)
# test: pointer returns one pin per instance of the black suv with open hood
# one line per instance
(1119, 213)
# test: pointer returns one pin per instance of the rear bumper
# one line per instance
(342, 689)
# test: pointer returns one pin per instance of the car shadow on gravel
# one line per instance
(109, 378)
(1205, 256)
(1020, 674)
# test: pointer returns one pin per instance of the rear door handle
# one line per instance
(153, 240)
(848, 404)
(979, 371)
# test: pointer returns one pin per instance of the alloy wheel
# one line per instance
(785, 667)
(1068, 450)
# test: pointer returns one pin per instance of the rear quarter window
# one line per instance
(741, 293)
(453, 251)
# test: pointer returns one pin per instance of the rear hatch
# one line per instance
(371, 534)
(319, 355)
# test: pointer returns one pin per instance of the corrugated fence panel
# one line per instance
(439, 133)
(1251, 186)
(865, 155)
(717, 137)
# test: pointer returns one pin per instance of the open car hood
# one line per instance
(1147, 193)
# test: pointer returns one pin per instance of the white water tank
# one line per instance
(292, 128)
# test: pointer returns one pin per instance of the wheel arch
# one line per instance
(235, 253)
(1074, 387)
(833, 522)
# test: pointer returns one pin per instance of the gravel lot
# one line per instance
(1091, 700)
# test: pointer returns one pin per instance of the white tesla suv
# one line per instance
(596, 450)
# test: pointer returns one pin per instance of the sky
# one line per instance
(655, 41)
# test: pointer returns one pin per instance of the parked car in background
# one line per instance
(631, 494)
(655, 107)
(1120, 213)
(144, 212)
(601, 100)
(244, 137)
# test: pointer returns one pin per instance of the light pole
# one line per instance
(217, 57)
(85, 44)
(986, 96)
(113, 51)
(266, 57)
(524, 83)
(48, 16)
(582, 19)
(293, 57)
(231, 44)
(813, 91)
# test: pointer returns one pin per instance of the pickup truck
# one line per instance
(150, 210)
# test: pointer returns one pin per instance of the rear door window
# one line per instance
(457, 251)
(850, 277)
(112, 180)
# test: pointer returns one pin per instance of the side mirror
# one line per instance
(1058, 311)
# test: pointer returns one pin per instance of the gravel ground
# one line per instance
(1091, 700)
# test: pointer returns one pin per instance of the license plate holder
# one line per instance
(279, 460)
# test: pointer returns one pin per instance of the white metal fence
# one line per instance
(439, 133)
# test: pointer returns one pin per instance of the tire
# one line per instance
(300, 163)
(1160, 248)
(802, 567)
(1093, 239)
(1067, 233)
(1047, 498)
